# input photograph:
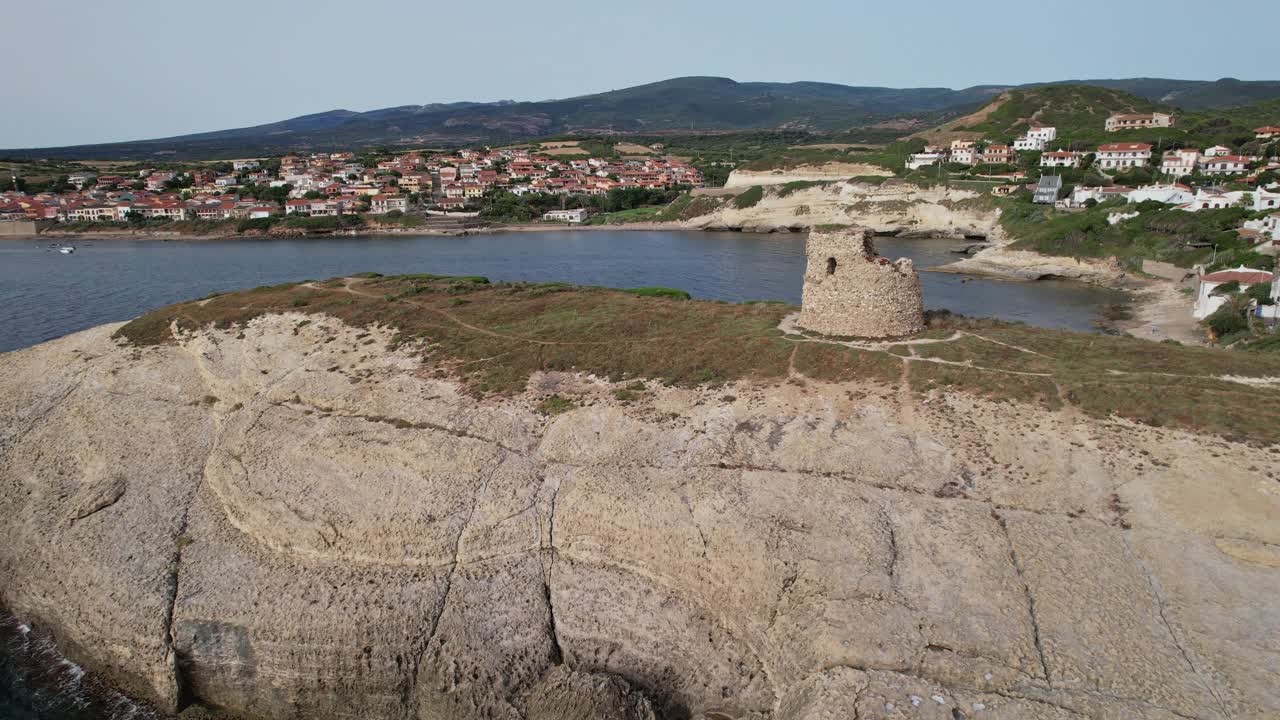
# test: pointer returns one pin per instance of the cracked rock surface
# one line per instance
(288, 521)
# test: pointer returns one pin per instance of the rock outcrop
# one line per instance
(850, 290)
(804, 173)
(287, 520)
(892, 207)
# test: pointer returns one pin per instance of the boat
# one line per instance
(66, 249)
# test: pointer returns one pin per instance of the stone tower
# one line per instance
(850, 290)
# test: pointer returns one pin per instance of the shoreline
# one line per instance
(1158, 311)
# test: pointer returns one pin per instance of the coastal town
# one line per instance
(338, 184)
(326, 191)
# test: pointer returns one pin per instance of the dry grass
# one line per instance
(492, 337)
(632, 148)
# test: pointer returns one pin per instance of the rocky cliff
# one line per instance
(294, 517)
(804, 173)
(891, 207)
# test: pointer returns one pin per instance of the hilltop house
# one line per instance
(1123, 155)
(1141, 121)
(1207, 303)
(1037, 138)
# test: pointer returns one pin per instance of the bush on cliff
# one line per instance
(749, 197)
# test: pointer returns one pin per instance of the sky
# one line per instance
(87, 71)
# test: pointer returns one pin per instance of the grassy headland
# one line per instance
(493, 336)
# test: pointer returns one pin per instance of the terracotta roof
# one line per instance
(1124, 147)
(1244, 276)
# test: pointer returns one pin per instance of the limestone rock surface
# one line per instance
(289, 521)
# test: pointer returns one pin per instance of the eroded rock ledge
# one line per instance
(287, 520)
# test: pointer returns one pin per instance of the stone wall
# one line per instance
(850, 290)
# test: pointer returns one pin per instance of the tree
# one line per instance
(1260, 293)
(313, 195)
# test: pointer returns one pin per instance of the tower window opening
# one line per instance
(831, 266)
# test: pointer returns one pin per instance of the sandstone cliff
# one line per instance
(286, 520)
(808, 173)
(892, 207)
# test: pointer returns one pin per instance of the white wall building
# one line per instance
(1061, 158)
(1217, 151)
(1180, 162)
(1118, 156)
(924, 159)
(576, 215)
(1167, 194)
(1206, 303)
(1225, 165)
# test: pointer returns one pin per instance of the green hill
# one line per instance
(1077, 111)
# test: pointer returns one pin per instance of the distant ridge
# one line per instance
(679, 104)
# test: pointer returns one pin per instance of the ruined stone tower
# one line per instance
(850, 290)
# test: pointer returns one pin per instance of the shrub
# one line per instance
(554, 405)
(1226, 321)
(660, 292)
(749, 197)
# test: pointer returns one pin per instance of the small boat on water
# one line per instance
(66, 249)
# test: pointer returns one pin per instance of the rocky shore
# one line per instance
(295, 518)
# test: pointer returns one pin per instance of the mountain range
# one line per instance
(681, 104)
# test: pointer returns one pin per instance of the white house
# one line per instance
(1043, 134)
(1115, 156)
(1061, 158)
(383, 204)
(1217, 151)
(1266, 199)
(964, 155)
(1206, 303)
(1180, 162)
(1167, 194)
(919, 160)
(1116, 123)
(1266, 133)
(1024, 144)
(242, 165)
(1269, 225)
(576, 215)
(1225, 165)
(1081, 194)
(1209, 199)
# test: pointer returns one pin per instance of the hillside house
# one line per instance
(1206, 303)
(1266, 199)
(1061, 158)
(1266, 133)
(244, 165)
(918, 160)
(1116, 156)
(1217, 151)
(1213, 199)
(1225, 165)
(1167, 194)
(1047, 190)
(1180, 162)
(999, 155)
(1138, 121)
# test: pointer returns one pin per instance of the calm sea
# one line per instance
(45, 294)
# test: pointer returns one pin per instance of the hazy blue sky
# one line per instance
(81, 71)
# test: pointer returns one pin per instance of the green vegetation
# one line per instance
(1158, 233)
(663, 292)
(749, 197)
(555, 405)
(506, 331)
